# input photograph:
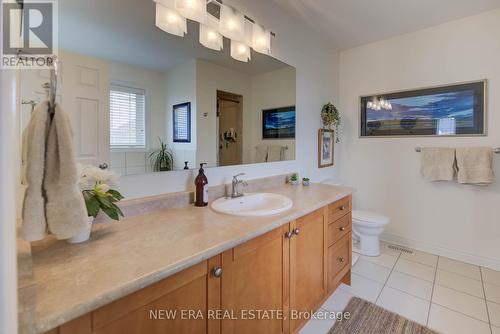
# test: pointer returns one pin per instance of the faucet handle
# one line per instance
(235, 177)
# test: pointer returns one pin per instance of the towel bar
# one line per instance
(495, 150)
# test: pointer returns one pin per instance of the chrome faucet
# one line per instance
(234, 186)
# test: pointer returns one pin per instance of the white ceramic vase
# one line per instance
(84, 235)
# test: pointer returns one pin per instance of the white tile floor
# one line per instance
(448, 296)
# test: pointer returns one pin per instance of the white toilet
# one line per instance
(367, 227)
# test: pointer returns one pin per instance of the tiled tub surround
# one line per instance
(125, 257)
(128, 163)
(449, 296)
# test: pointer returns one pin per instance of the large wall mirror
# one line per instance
(144, 101)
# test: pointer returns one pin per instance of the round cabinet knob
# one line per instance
(341, 259)
(342, 207)
(103, 166)
(296, 231)
(288, 235)
(342, 228)
(217, 272)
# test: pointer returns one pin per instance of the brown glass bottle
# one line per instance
(201, 184)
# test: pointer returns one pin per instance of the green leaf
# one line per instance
(111, 212)
(105, 202)
(116, 194)
(92, 204)
(117, 208)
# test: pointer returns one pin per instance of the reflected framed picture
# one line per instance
(278, 123)
(182, 123)
(325, 148)
(452, 110)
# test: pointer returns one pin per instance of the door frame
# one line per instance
(9, 179)
(231, 97)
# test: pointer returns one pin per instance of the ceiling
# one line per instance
(124, 31)
(350, 23)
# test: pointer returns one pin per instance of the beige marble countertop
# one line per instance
(124, 257)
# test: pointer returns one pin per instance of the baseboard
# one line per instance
(442, 251)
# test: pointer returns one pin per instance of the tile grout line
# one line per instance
(460, 291)
(432, 292)
(387, 279)
(461, 313)
(408, 293)
(448, 271)
(485, 300)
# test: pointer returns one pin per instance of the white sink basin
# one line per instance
(253, 205)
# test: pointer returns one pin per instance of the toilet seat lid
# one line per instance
(369, 217)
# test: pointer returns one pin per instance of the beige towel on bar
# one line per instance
(261, 153)
(438, 164)
(475, 165)
(65, 207)
(34, 225)
(275, 153)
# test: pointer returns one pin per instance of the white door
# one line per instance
(83, 93)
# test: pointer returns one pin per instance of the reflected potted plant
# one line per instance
(97, 190)
(162, 159)
(330, 116)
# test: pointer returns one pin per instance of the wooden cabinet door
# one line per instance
(255, 278)
(178, 304)
(307, 265)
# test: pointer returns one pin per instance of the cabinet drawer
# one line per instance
(339, 256)
(339, 228)
(339, 209)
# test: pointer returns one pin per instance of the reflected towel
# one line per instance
(276, 153)
(438, 164)
(475, 165)
(65, 207)
(34, 226)
(261, 153)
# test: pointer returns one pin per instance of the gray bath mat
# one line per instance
(368, 318)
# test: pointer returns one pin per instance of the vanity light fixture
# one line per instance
(240, 51)
(216, 20)
(169, 20)
(261, 39)
(232, 23)
(209, 34)
(195, 10)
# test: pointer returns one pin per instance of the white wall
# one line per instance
(454, 220)
(181, 88)
(316, 63)
(270, 90)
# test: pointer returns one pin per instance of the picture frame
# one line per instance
(278, 123)
(326, 148)
(451, 110)
(181, 123)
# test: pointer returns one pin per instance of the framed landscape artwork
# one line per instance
(454, 110)
(278, 123)
(325, 148)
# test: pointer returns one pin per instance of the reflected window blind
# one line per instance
(127, 117)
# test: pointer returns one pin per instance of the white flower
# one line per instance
(102, 189)
(90, 175)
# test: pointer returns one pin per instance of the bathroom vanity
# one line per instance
(217, 272)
